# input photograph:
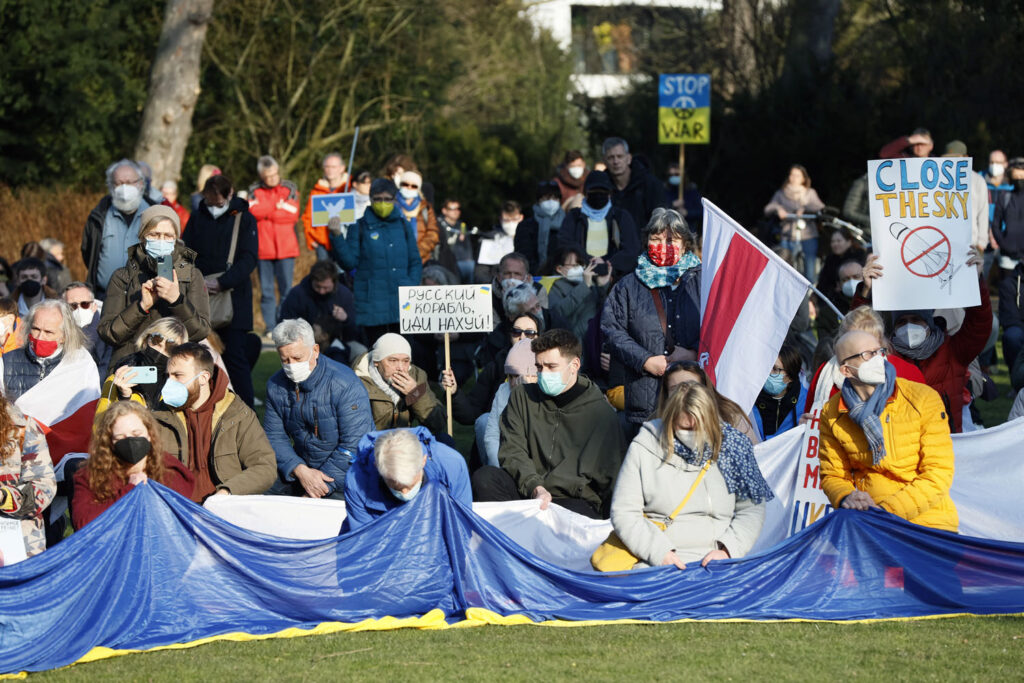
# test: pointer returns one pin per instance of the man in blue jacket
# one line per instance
(317, 410)
(391, 468)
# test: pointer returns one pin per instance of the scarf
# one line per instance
(200, 437)
(868, 413)
(654, 276)
(925, 349)
(545, 225)
(595, 214)
(410, 209)
(828, 377)
(742, 476)
(381, 384)
(796, 193)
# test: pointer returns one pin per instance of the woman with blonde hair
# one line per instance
(27, 483)
(125, 452)
(689, 489)
(152, 347)
(690, 371)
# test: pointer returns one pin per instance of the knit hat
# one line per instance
(598, 180)
(383, 186)
(926, 315)
(413, 178)
(390, 344)
(521, 359)
(956, 148)
(160, 211)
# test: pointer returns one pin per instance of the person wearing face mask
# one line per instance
(560, 440)
(85, 309)
(208, 429)
(325, 303)
(885, 441)
(399, 164)
(418, 212)
(842, 250)
(151, 349)
(57, 274)
(125, 453)
(317, 410)
(51, 338)
(513, 271)
(113, 225)
(392, 467)
(578, 294)
(30, 284)
(27, 481)
(537, 236)
(10, 321)
(137, 296)
(496, 245)
(209, 234)
(601, 229)
(652, 316)
(381, 249)
(570, 176)
(1008, 232)
(689, 450)
(780, 402)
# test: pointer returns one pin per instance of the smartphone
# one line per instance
(165, 268)
(601, 269)
(144, 374)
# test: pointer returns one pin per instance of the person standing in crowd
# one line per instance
(30, 284)
(570, 176)
(206, 171)
(138, 296)
(560, 440)
(578, 294)
(27, 482)
(169, 191)
(84, 309)
(317, 410)
(997, 180)
(496, 245)
(537, 236)
(152, 347)
(857, 207)
(652, 316)
(126, 452)
(780, 402)
(57, 274)
(392, 467)
(637, 191)
(381, 248)
(210, 234)
(885, 441)
(210, 431)
(418, 213)
(454, 230)
(1008, 231)
(328, 306)
(979, 217)
(274, 203)
(690, 371)
(799, 235)
(335, 180)
(361, 190)
(690, 444)
(113, 225)
(917, 144)
(598, 227)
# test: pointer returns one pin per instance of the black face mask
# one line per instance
(1018, 185)
(30, 288)
(132, 449)
(597, 200)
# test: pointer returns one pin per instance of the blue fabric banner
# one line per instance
(157, 569)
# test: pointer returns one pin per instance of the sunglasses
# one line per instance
(410, 186)
(530, 334)
(81, 304)
(156, 339)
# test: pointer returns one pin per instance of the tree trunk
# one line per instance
(173, 88)
(739, 29)
(809, 47)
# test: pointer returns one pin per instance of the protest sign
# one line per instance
(433, 310)
(921, 231)
(684, 109)
(327, 206)
(809, 502)
(12, 542)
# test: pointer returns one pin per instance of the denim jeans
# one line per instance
(810, 252)
(280, 270)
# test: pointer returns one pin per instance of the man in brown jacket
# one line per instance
(211, 430)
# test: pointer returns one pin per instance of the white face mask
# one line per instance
(406, 497)
(409, 193)
(298, 372)
(576, 171)
(574, 274)
(872, 372)
(687, 437)
(549, 206)
(83, 316)
(912, 335)
(218, 211)
(510, 283)
(126, 198)
(850, 287)
(996, 170)
(509, 227)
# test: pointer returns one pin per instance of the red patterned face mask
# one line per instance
(43, 349)
(662, 255)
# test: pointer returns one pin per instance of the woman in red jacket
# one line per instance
(125, 452)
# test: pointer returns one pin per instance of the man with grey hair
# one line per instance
(113, 225)
(637, 191)
(85, 311)
(392, 467)
(335, 180)
(52, 338)
(317, 410)
(274, 203)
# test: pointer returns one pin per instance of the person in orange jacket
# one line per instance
(274, 203)
(336, 179)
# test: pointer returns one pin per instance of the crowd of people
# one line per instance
(587, 393)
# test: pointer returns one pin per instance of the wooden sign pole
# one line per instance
(448, 367)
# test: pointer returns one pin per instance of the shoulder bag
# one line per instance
(221, 310)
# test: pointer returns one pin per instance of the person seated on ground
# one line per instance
(885, 441)
(579, 293)
(398, 390)
(84, 309)
(828, 380)
(1017, 409)
(210, 430)
(125, 452)
(27, 482)
(690, 371)
(670, 457)
(941, 357)
(138, 296)
(513, 270)
(520, 368)
(151, 349)
(392, 467)
(317, 410)
(30, 284)
(560, 440)
(323, 302)
(10, 324)
(780, 403)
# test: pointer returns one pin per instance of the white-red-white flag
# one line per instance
(748, 298)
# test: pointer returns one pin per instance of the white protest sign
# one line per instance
(12, 542)
(921, 231)
(433, 310)
(809, 502)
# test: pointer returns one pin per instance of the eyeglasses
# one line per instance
(80, 304)
(530, 334)
(865, 355)
(156, 339)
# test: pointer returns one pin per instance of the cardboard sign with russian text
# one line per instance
(456, 308)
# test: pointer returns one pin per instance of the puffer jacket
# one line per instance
(123, 318)
(23, 370)
(384, 255)
(27, 482)
(317, 422)
(422, 405)
(651, 487)
(276, 210)
(913, 479)
(633, 332)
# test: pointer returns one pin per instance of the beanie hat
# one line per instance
(388, 345)
(598, 180)
(160, 211)
(383, 186)
(521, 359)
(413, 178)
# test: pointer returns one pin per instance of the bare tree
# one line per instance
(173, 88)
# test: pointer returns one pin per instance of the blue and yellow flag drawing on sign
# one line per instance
(327, 206)
(684, 109)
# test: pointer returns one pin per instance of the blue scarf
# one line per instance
(868, 413)
(595, 214)
(545, 226)
(410, 207)
(662, 276)
(742, 476)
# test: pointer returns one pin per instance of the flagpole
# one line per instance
(827, 301)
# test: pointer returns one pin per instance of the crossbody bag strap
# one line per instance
(662, 318)
(703, 471)
(234, 240)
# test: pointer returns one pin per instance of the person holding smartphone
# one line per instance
(159, 280)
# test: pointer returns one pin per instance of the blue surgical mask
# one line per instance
(673, 180)
(775, 384)
(406, 497)
(159, 248)
(174, 393)
(551, 383)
